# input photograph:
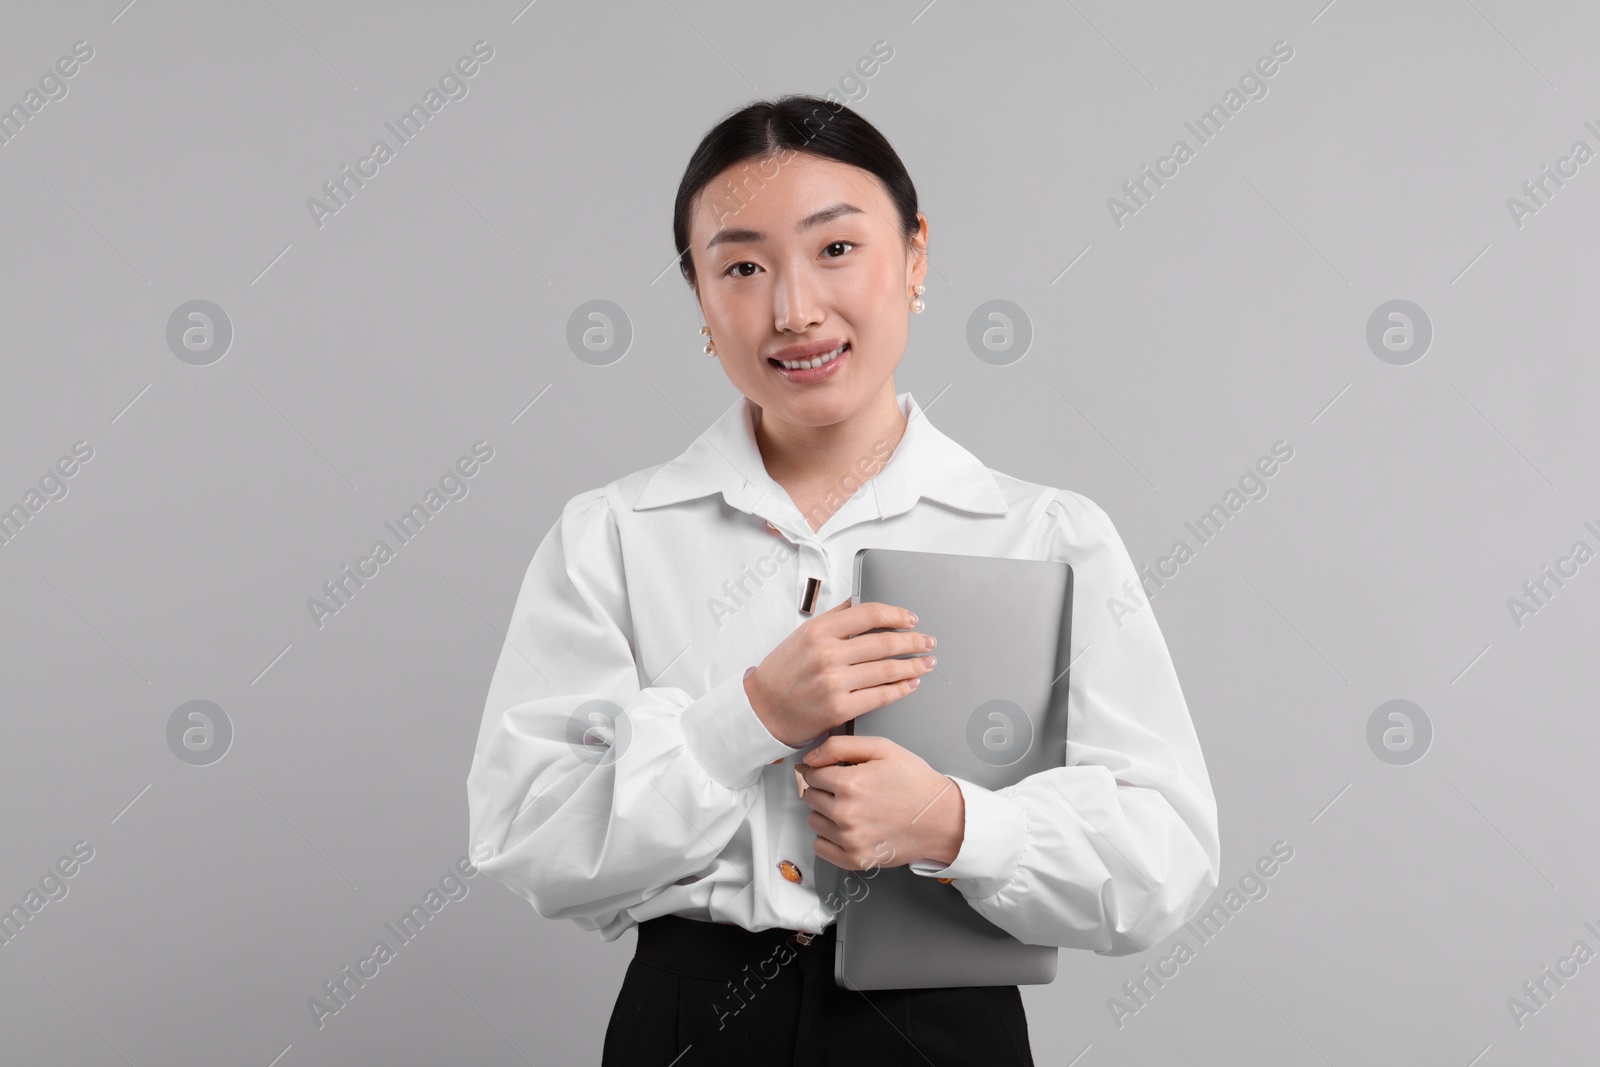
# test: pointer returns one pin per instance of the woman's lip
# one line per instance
(814, 374)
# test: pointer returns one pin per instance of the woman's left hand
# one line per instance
(876, 804)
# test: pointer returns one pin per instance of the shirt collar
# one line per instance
(925, 463)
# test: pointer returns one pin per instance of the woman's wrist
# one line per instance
(758, 704)
(951, 823)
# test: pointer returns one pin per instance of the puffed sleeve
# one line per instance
(591, 791)
(1118, 848)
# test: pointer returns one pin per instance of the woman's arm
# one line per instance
(1119, 848)
(580, 831)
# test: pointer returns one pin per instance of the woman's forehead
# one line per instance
(754, 202)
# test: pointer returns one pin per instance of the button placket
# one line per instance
(794, 836)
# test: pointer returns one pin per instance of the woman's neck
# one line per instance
(822, 466)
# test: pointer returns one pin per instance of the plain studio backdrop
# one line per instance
(1364, 261)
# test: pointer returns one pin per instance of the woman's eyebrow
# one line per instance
(816, 218)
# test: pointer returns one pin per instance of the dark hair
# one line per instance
(797, 123)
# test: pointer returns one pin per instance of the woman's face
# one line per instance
(809, 253)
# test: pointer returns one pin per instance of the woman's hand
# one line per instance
(829, 670)
(876, 804)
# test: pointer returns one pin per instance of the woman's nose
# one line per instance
(795, 305)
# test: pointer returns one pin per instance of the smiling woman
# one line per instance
(635, 767)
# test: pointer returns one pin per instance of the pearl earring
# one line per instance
(916, 302)
(710, 348)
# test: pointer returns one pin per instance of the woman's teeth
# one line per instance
(806, 364)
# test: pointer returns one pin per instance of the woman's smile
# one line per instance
(816, 369)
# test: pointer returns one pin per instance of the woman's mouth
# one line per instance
(805, 371)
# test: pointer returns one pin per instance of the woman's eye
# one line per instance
(734, 270)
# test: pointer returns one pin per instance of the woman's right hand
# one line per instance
(830, 669)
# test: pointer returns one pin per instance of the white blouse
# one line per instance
(621, 774)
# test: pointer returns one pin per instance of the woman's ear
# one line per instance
(919, 251)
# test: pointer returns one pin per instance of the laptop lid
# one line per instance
(993, 711)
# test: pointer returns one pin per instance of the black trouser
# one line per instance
(782, 1008)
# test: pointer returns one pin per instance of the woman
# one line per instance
(661, 743)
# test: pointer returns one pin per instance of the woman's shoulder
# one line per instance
(615, 496)
(1063, 524)
(587, 506)
(605, 505)
(1036, 502)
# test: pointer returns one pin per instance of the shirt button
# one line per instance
(778, 760)
(790, 871)
(947, 881)
(808, 596)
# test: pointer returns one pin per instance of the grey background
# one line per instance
(369, 354)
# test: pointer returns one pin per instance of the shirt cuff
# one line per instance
(991, 845)
(723, 733)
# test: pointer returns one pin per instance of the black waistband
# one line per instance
(717, 951)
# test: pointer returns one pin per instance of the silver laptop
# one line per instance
(993, 711)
